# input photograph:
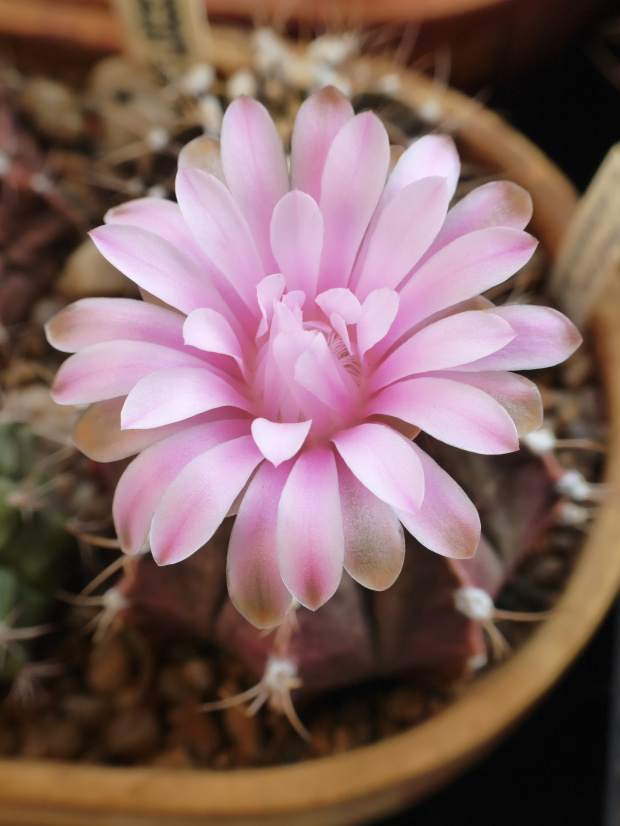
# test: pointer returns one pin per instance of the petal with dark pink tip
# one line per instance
(374, 543)
(255, 168)
(353, 179)
(96, 320)
(452, 341)
(111, 369)
(309, 536)
(384, 462)
(157, 266)
(544, 337)
(144, 482)
(320, 118)
(447, 523)
(168, 396)
(404, 231)
(197, 501)
(454, 413)
(254, 582)
(217, 224)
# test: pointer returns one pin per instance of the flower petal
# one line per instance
(544, 337)
(104, 371)
(157, 266)
(279, 441)
(97, 433)
(255, 585)
(496, 204)
(429, 156)
(203, 152)
(447, 523)
(210, 331)
(171, 395)
(342, 301)
(374, 543)
(195, 504)
(218, 225)
(383, 461)
(297, 240)
(452, 412)
(310, 537)
(146, 479)
(377, 315)
(353, 179)
(519, 396)
(255, 168)
(404, 231)
(96, 320)
(316, 370)
(320, 118)
(452, 341)
(466, 267)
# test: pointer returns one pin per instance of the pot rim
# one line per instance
(437, 748)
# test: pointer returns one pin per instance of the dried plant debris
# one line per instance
(110, 659)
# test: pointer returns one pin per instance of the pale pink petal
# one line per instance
(286, 349)
(255, 585)
(374, 543)
(544, 337)
(468, 266)
(96, 320)
(447, 523)
(255, 168)
(403, 232)
(455, 413)
(519, 396)
(316, 370)
(164, 218)
(496, 204)
(452, 341)
(310, 537)
(340, 326)
(279, 441)
(170, 395)
(429, 156)
(157, 266)
(341, 301)
(353, 179)
(297, 240)
(218, 226)
(194, 505)
(377, 315)
(384, 462)
(208, 330)
(268, 290)
(104, 371)
(320, 118)
(146, 479)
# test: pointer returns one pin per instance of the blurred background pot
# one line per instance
(377, 779)
(475, 42)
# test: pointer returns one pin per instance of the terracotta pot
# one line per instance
(482, 42)
(374, 780)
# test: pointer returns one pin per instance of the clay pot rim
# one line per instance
(383, 775)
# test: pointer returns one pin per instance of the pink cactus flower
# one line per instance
(297, 331)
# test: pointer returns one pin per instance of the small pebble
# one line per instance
(132, 733)
(109, 667)
(244, 731)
